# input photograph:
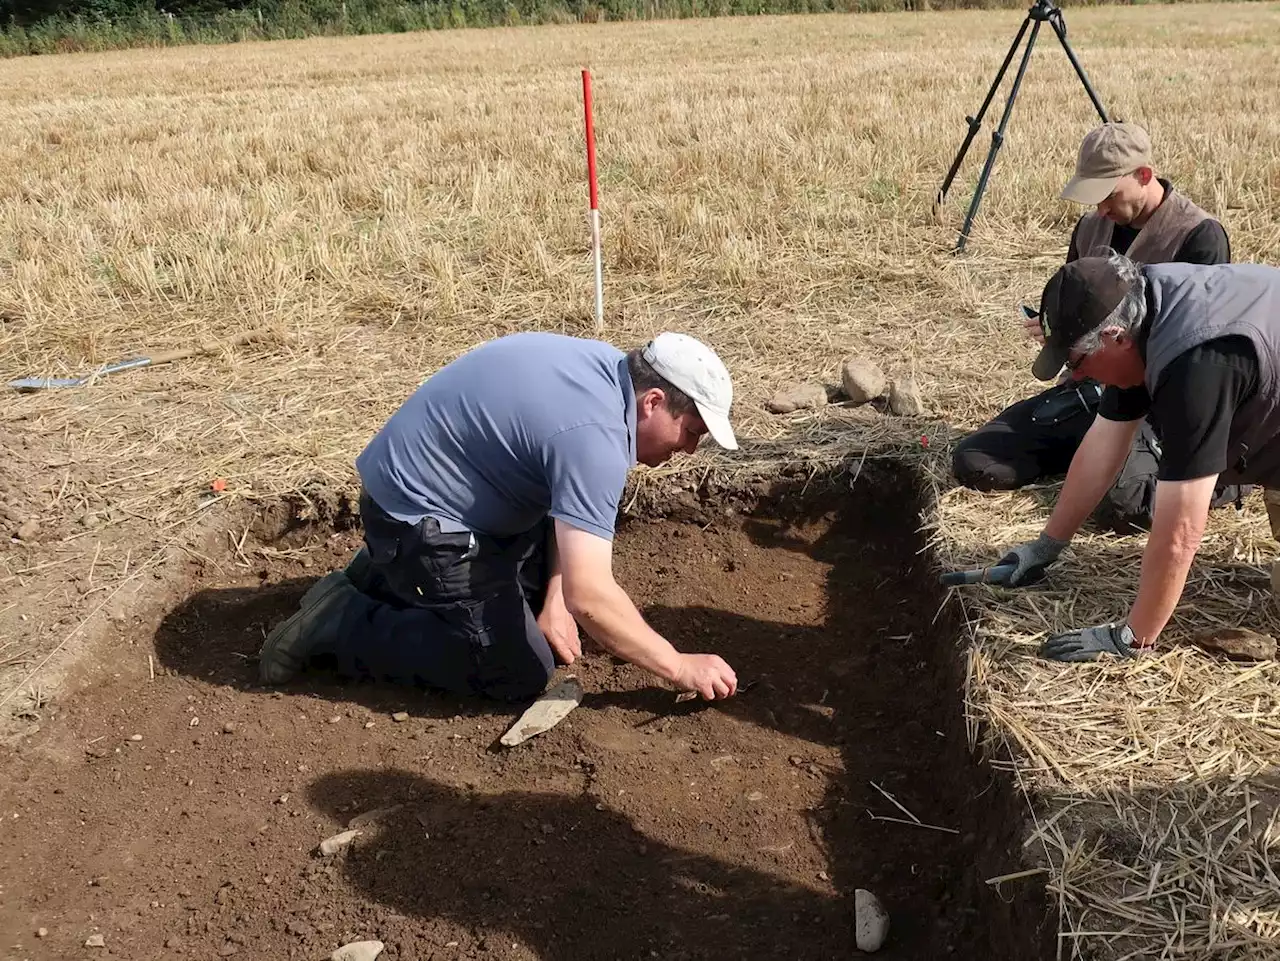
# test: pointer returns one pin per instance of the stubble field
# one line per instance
(368, 208)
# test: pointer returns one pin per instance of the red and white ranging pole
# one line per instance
(595, 198)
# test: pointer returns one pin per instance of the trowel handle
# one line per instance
(983, 575)
(205, 347)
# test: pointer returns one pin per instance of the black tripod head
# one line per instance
(1046, 11)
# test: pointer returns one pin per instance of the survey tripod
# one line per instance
(1042, 11)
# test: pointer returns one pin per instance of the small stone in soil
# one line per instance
(871, 921)
(373, 816)
(367, 725)
(358, 951)
(42, 933)
(335, 719)
(229, 728)
(135, 737)
(29, 530)
(95, 941)
(399, 716)
(173, 943)
(332, 845)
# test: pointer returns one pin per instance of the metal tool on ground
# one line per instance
(206, 347)
(1042, 11)
(545, 713)
(983, 575)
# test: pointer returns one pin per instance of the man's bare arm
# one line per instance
(1094, 468)
(1182, 508)
(605, 611)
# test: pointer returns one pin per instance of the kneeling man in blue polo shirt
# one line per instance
(488, 504)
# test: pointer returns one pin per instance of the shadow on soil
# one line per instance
(882, 653)
(215, 635)
(573, 882)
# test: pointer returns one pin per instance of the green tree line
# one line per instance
(56, 26)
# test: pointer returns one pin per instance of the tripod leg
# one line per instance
(975, 122)
(1061, 31)
(997, 138)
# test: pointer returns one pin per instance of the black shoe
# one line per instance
(359, 572)
(308, 632)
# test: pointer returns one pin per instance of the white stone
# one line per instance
(358, 951)
(870, 919)
(331, 846)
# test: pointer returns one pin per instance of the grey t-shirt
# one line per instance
(521, 427)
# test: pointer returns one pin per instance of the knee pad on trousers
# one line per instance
(979, 471)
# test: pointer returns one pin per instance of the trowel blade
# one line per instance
(545, 713)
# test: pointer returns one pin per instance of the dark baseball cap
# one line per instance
(1076, 301)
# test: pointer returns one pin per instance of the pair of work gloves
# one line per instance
(1030, 561)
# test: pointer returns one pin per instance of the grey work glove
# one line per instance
(1091, 643)
(1030, 559)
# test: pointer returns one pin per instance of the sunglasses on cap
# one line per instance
(1030, 313)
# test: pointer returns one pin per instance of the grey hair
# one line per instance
(644, 377)
(1130, 313)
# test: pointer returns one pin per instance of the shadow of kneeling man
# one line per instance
(569, 878)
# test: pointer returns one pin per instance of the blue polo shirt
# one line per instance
(521, 427)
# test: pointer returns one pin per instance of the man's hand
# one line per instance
(560, 629)
(607, 614)
(1091, 643)
(1030, 560)
(707, 674)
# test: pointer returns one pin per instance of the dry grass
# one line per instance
(378, 205)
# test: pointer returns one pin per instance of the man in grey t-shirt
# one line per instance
(488, 504)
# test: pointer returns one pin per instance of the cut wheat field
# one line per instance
(368, 208)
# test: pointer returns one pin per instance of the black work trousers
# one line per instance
(453, 611)
(1027, 442)
(1034, 440)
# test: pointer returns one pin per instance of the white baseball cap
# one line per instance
(694, 368)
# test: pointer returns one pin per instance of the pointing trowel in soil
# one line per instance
(545, 713)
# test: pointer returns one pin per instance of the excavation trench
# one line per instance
(638, 828)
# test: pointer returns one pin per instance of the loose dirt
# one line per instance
(638, 828)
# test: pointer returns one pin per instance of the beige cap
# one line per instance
(1108, 153)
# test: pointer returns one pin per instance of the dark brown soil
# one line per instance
(638, 828)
